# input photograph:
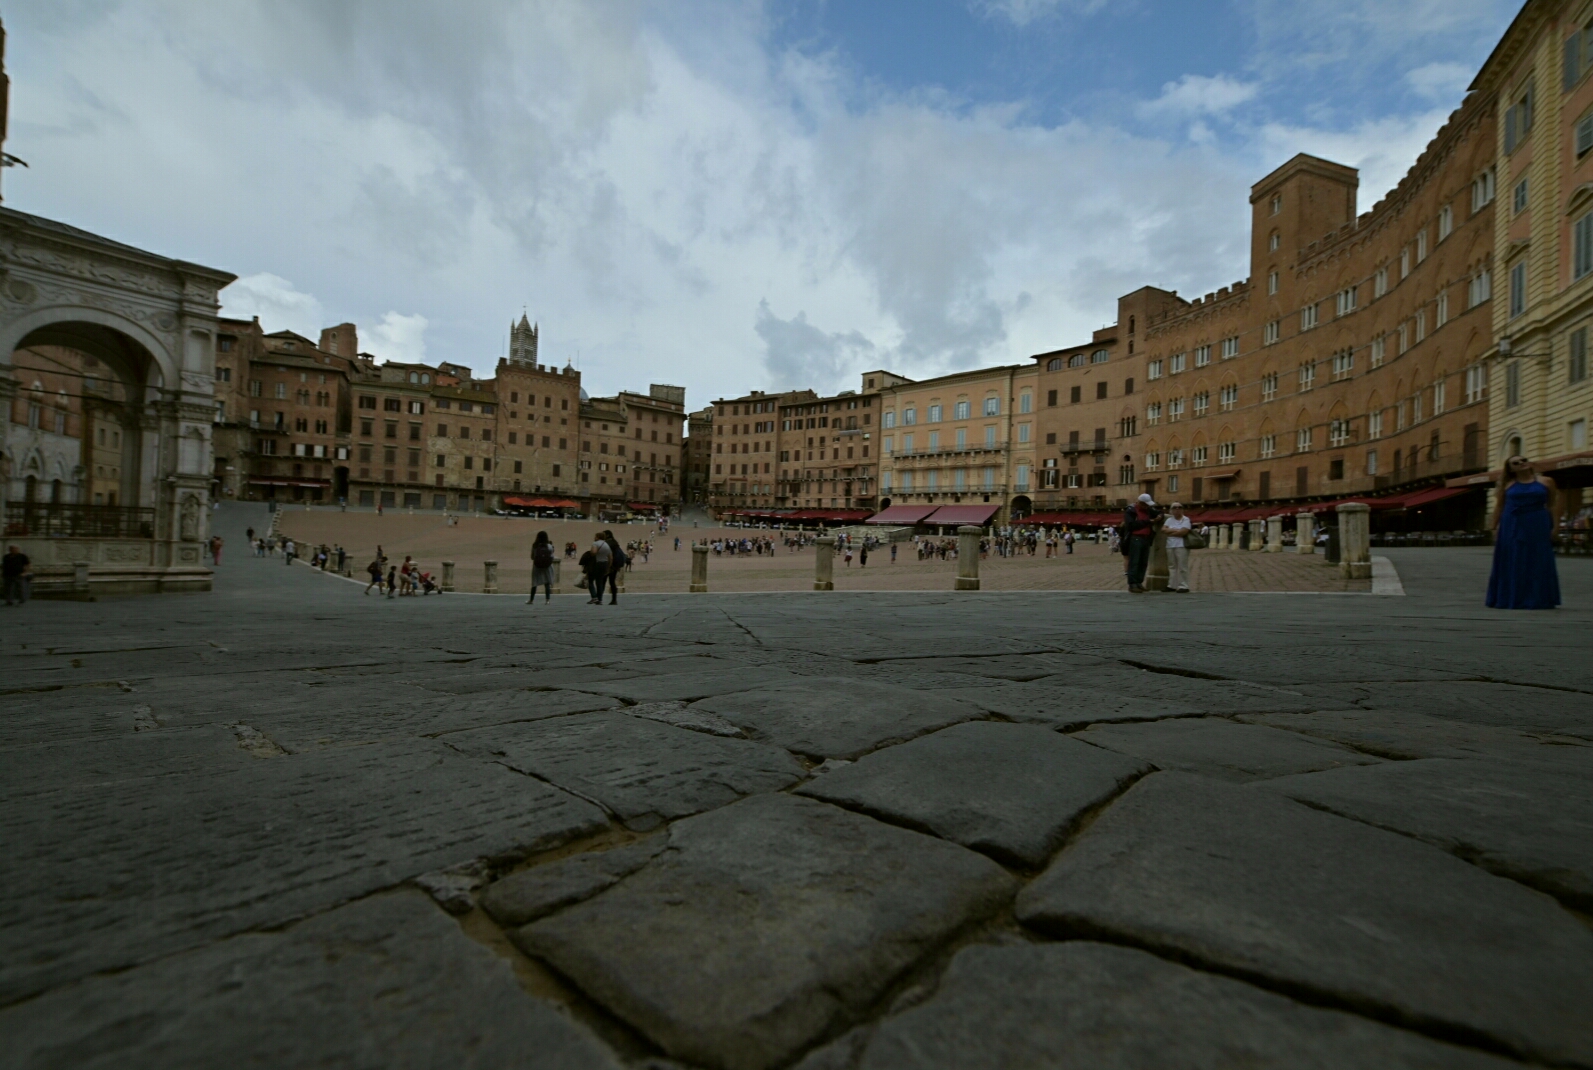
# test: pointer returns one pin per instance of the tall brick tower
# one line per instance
(523, 342)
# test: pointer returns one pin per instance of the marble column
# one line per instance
(968, 558)
(824, 563)
(1355, 540)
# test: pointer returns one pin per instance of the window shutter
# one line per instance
(1510, 129)
(1573, 60)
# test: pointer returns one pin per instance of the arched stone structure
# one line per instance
(151, 320)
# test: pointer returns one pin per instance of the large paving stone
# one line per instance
(840, 718)
(643, 771)
(1246, 881)
(1065, 708)
(765, 926)
(699, 683)
(1533, 709)
(1515, 819)
(528, 894)
(388, 981)
(108, 871)
(1404, 734)
(1011, 791)
(1216, 747)
(1100, 1007)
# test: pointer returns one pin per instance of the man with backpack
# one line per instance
(617, 561)
(1138, 532)
(542, 558)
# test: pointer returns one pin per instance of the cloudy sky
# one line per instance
(724, 195)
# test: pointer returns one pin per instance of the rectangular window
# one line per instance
(1338, 433)
(962, 438)
(1153, 461)
(889, 419)
(1518, 285)
(1379, 350)
(1512, 384)
(961, 409)
(1302, 440)
(1202, 403)
(1175, 458)
(1202, 356)
(1153, 370)
(1272, 282)
(1479, 289)
(1269, 447)
(1226, 452)
(282, 390)
(1441, 312)
(1343, 364)
(934, 414)
(1308, 317)
(1446, 221)
(1197, 455)
(1175, 409)
(1582, 244)
(1380, 282)
(1584, 135)
(1023, 433)
(1438, 397)
(1153, 413)
(1345, 301)
(1421, 245)
(1404, 262)
(1482, 190)
(1374, 424)
(1269, 333)
(1228, 397)
(1230, 347)
(1025, 402)
(990, 438)
(1519, 199)
(934, 441)
(909, 416)
(1307, 376)
(1371, 462)
(1576, 358)
(1023, 477)
(1576, 434)
(1476, 383)
(1175, 364)
(992, 406)
(1404, 336)
(1518, 119)
(1269, 386)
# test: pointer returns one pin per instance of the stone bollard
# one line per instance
(1156, 571)
(699, 569)
(824, 563)
(447, 576)
(1304, 533)
(490, 583)
(80, 579)
(1355, 540)
(1236, 536)
(1258, 535)
(968, 558)
(1219, 534)
(1274, 534)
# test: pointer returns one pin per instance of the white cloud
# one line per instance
(1441, 81)
(1383, 149)
(1023, 12)
(276, 301)
(1197, 94)
(398, 337)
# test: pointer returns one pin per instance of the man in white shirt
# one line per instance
(1175, 526)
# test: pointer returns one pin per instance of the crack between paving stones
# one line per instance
(738, 624)
(1447, 1032)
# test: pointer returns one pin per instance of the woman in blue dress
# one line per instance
(1524, 575)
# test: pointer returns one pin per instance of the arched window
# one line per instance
(1098, 357)
(1054, 364)
(1077, 360)
(414, 377)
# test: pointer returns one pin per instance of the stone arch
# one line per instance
(84, 328)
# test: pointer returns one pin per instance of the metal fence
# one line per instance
(60, 520)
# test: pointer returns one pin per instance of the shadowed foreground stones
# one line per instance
(1402, 735)
(642, 770)
(1220, 748)
(1011, 791)
(388, 981)
(838, 717)
(1518, 820)
(765, 926)
(1243, 880)
(1098, 1007)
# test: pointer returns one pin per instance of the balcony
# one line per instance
(1093, 446)
(969, 452)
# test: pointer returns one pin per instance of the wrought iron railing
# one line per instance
(75, 521)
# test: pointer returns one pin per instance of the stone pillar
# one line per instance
(1156, 574)
(490, 582)
(1258, 535)
(824, 563)
(1234, 540)
(1219, 533)
(80, 579)
(448, 576)
(1355, 540)
(1274, 534)
(699, 569)
(968, 558)
(1304, 530)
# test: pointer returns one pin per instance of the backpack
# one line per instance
(542, 554)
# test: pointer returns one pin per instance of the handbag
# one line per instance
(1194, 541)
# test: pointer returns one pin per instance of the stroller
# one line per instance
(427, 585)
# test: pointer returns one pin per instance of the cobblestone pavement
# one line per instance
(1091, 567)
(287, 824)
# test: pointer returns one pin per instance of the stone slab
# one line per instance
(839, 718)
(681, 715)
(1011, 791)
(1515, 819)
(1248, 882)
(388, 981)
(1405, 734)
(1100, 1007)
(765, 926)
(685, 686)
(1066, 708)
(528, 894)
(1502, 705)
(642, 771)
(1213, 746)
(108, 871)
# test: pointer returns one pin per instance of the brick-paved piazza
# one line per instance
(1091, 567)
(288, 824)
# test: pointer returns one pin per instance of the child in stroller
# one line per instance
(427, 585)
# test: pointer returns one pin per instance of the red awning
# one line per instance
(290, 482)
(962, 514)
(902, 514)
(521, 503)
(644, 505)
(1432, 494)
(1083, 520)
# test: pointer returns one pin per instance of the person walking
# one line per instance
(862, 555)
(249, 534)
(1524, 575)
(290, 550)
(1175, 527)
(542, 558)
(392, 580)
(1139, 529)
(893, 553)
(602, 565)
(617, 561)
(14, 570)
(215, 550)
